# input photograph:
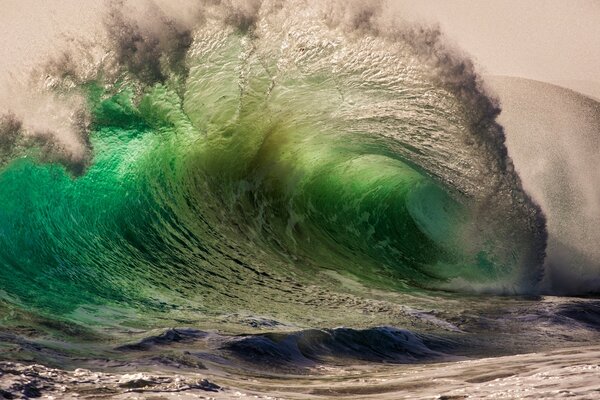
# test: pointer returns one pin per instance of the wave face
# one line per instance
(232, 161)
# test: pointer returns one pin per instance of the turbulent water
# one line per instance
(290, 167)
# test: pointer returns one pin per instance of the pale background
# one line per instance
(548, 40)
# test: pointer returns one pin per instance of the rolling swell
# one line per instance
(268, 143)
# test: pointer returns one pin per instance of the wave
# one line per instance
(314, 347)
(232, 160)
(563, 126)
(298, 350)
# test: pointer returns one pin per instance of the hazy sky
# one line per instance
(549, 40)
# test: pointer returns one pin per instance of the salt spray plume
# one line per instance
(55, 127)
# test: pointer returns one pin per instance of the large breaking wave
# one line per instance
(222, 162)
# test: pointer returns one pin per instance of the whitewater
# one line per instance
(294, 199)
